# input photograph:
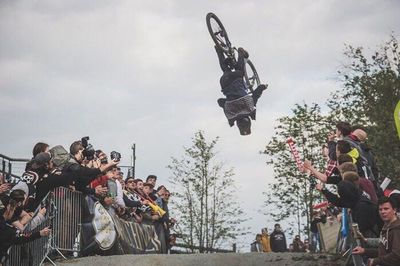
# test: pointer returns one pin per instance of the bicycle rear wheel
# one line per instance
(218, 32)
(251, 76)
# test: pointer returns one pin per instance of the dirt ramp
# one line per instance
(237, 259)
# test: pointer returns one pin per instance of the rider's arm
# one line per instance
(242, 54)
(221, 59)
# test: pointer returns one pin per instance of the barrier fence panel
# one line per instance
(33, 253)
(63, 214)
(67, 219)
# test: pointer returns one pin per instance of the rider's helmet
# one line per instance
(244, 125)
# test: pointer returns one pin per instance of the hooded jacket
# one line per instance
(364, 211)
(388, 252)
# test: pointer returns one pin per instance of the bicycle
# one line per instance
(221, 39)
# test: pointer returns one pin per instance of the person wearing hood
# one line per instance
(278, 240)
(363, 210)
(388, 252)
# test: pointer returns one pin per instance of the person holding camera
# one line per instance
(81, 151)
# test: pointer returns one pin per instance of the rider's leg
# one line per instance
(257, 92)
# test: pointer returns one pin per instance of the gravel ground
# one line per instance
(237, 259)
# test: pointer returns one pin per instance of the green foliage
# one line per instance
(371, 90)
(203, 198)
(290, 195)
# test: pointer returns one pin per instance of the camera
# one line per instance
(88, 150)
(115, 156)
(103, 159)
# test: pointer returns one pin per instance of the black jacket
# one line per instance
(278, 241)
(363, 211)
(9, 236)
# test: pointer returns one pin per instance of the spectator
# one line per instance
(388, 252)
(160, 196)
(152, 179)
(318, 217)
(350, 196)
(306, 245)
(257, 245)
(298, 245)
(21, 218)
(265, 240)
(343, 129)
(9, 234)
(132, 201)
(38, 148)
(278, 240)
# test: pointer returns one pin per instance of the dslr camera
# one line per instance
(115, 156)
(88, 150)
(103, 159)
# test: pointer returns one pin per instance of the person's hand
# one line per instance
(331, 136)
(45, 231)
(155, 217)
(145, 202)
(4, 187)
(71, 187)
(99, 190)
(370, 262)
(307, 164)
(319, 186)
(358, 250)
(110, 164)
(42, 211)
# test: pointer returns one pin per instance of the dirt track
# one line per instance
(238, 259)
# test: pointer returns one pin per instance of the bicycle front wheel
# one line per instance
(251, 76)
(218, 32)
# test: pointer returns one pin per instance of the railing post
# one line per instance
(9, 168)
(234, 247)
(3, 166)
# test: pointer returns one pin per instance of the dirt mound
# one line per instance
(231, 259)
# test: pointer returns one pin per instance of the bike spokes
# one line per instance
(218, 32)
(251, 75)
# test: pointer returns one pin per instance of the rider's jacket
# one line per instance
(241, 107)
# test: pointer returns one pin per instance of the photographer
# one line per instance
(80, 151)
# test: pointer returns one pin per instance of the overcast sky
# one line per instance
(146, 72)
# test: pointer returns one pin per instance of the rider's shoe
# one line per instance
(221, 102)
(245, 53)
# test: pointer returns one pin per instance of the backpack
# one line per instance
(363, 161)
(60, 156)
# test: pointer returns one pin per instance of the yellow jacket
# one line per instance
(265, 243)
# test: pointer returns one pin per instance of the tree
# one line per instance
(291, 195)
(204, 197)
(371, 90)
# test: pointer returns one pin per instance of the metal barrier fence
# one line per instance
(63, 214)
(12, 168)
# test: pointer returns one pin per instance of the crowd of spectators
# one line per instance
(352, 168)
(355, 191)
(82, 169)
